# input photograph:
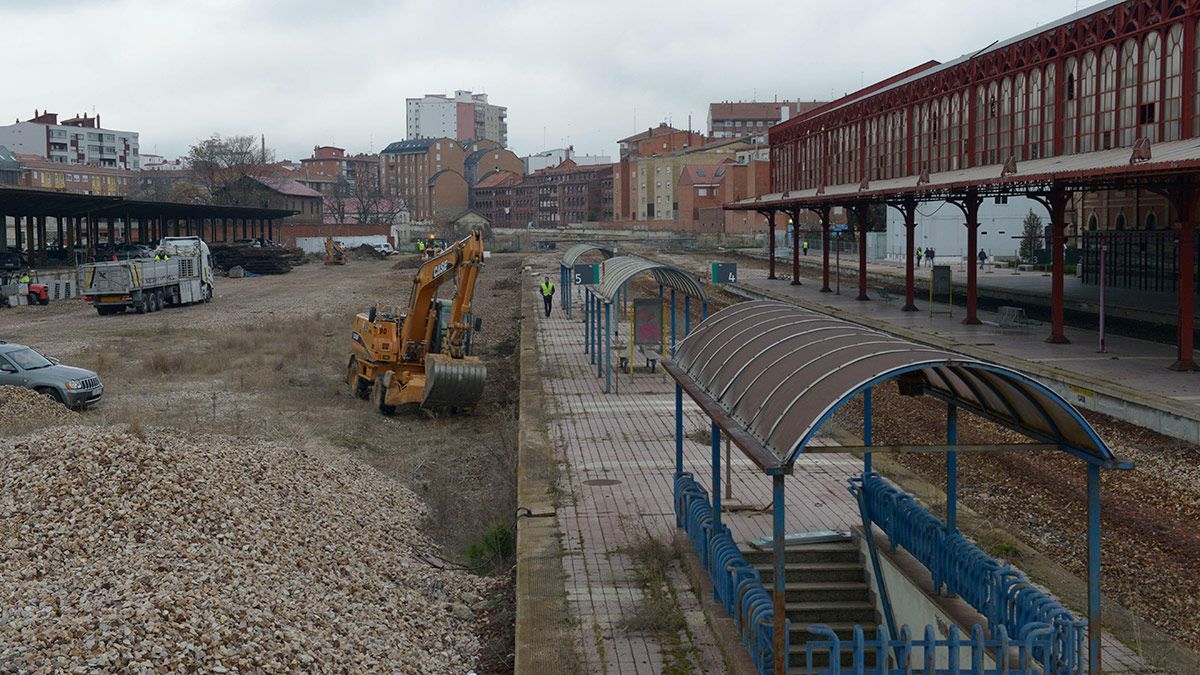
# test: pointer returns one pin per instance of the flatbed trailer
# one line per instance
(147, 285)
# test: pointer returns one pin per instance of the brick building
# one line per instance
(652, 193)
(486, 160)
(275, 192)
(655, 140)
(704, 188)
(448, 195)
(730, 119)
(37, 172)
(78, 140)
(559, 196)
(408, 166)
(495, 196)
(334, 162)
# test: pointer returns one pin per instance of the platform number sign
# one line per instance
(586, 274)
(724, 273)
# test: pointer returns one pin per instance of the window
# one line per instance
(1151, 86)
(703, 192)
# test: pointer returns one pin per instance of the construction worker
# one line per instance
(918, 253)
(547, 290)
(421, 246)
(162, 255)
(25, 278)
(805, 247)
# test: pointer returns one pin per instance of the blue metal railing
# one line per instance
(736, 584)
(1002, 594)
(927, 654)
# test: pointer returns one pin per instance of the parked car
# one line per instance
(23, 366)
(384, 248)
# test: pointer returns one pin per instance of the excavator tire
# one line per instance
(453, 385)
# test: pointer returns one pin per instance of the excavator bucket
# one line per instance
(453, 385)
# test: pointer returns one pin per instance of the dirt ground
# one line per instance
(265, 360)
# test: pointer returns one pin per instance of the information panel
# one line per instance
(648, 321)
(724, 273)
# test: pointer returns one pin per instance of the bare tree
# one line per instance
(220, 162)
(371, 204)
(338, 199)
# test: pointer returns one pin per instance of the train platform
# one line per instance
(614, 492)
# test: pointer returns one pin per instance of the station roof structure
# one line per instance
(1118, 165)
(771, 373)
(623, 268)
(33, 202)
(573, 254)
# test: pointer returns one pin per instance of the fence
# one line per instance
(1145, 260)
(1002, 594)
(922, 655)
(736, 584)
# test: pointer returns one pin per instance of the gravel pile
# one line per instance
(124, 554)
(23, 409)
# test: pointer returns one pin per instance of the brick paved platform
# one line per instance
(616, 453)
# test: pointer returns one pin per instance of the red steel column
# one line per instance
(1057, 203)
(861, 212)
(971, 208)
(1185, 360)
(825, 250)
(795, 217)
(910, 235)
(771, 241)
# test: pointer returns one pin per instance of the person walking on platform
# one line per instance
(929, 254)
(918, 255)
(547, 290)
(805, 247)
(982, 258)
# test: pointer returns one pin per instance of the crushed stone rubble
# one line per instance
(21, 408)
(162, 553)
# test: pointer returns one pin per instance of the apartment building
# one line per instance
(654, 179)
(730, 119)
(563, 195)
(463, 117)
(555, 156)
(332, 161)
(413, 170)
(41, 173)
(78, 140)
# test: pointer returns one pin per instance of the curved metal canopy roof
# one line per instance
(577, 251)
(621, 269)
(775, 372)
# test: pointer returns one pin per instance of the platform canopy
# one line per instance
(621, 269)
(771, 373)
(35, 202)
(577, 251)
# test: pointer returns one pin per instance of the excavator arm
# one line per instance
(459, 261)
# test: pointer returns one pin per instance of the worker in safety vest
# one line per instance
(162, 255)
(805, 247)
(25, 278)
(547, 290)
(420, 246)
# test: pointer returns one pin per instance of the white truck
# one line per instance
(184, 277)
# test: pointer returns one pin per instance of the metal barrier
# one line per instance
(1002, 594)
(736, 584)
(923, 655)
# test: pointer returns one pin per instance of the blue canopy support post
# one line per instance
(587, 326)
(716, 476)
(687, 315)
(704, 313)
(607, 347)
(678, 430)
(1093, 542)
(951, 469)
(562, 285)
(779, 596)
(866, 431)
(660, 292)
(672, 322)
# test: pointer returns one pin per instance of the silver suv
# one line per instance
(21, 366)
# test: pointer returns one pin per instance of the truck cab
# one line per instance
(192, 247)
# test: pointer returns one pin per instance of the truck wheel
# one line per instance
(33, 299)
(103, 311)
(44, 301)
(155, 301)
(143, 304)
(208, 294)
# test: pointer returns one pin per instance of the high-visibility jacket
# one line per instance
(25, 278)
(420, 245)
(547, 289)
(806, 245)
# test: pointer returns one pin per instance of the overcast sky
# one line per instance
(311, 72)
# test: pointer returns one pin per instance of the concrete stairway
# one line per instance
(826, 584)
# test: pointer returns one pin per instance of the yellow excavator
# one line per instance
(420, 356)
(334, 253)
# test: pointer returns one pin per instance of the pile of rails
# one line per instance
(158, 552)
(259, 260)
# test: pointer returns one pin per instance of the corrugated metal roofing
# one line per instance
(619, 270)
(577, 251)
(777, 372)
(1166, 157)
